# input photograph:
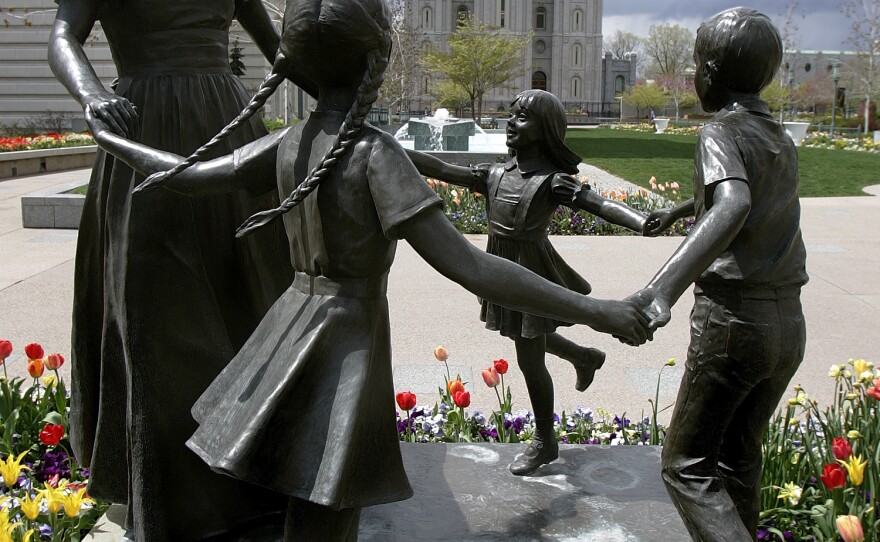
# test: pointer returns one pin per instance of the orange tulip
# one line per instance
(35, 368)
(454, 386)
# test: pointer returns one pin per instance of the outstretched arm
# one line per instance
(217, 176)
(431, 166)
(513, 286)
(731, 202)
(661, 220)
(611, 210)
(73, 22)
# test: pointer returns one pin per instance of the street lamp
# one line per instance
(835, 75)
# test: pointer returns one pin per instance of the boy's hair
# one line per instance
(310, 26)
(551, 114)
(742, 48)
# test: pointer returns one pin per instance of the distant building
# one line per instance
(29, 93)
(564, 56)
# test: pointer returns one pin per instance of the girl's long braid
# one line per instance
(367, 93)
(267, 88)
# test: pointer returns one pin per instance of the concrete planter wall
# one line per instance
(53, 207)
(18, 163)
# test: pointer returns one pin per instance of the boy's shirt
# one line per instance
(743, 142)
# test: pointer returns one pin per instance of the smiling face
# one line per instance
(523, 128)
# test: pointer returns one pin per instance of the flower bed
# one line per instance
(43, 491)
(821, 140)
(44, 141)
(821, 477)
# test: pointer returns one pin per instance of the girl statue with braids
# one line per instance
(521, 197)
(306, 408)
(163, 297)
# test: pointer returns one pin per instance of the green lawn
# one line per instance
(637, 156)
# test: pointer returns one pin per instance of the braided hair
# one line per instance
(367, 93)
(307, 23)
(267, 88)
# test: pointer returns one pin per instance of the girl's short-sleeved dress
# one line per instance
(164, 295)
(520, 205)
(307, 406)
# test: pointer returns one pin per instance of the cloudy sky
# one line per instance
(820, 24)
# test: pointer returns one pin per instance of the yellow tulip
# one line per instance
(853, 435)
(28, 535)
(54, 496)
(6, 527)
(861, 366)
(73, 501)
(49, 381)
(10, 469)
(855, 467)
(670, 362)
(30, 507)
(850, 529)
(835, 371)
(791, 492)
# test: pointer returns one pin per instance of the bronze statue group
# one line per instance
(211, 373)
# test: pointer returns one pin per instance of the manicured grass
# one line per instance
(637, 156)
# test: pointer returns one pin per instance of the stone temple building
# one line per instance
(564, 56)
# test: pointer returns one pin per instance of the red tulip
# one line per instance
(491, 377)
(406, 400)
(34, 351)
(35, 368)
(454, 386)
(54, 361)
(500, 366)
(841, 448)
(462, 399)
(873, 391)
(51, 434)
(5, 350)
(833, 476)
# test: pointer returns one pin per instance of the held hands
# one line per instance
(657, 222)
(654, 309)
(116, 112)
(625, 321)
(98, 127)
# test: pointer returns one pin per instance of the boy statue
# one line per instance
(746, 255)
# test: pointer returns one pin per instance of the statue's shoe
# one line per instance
(586, 368)
(538, 453)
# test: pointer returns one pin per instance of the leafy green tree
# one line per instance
(777, 95)
(645, 96)
(480, 58)
(451, 96)
(670, 49)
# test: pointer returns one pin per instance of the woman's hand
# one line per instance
(624, 320)
(114, 111)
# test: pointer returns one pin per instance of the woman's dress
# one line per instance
(307, 406)
(520, 205)
(164, 296)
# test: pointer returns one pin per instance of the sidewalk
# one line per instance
(842, 305)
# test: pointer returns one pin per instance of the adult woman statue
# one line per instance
(164, 296)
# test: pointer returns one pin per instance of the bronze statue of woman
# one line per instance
(163, 295)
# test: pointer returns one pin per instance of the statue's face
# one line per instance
(523, 128)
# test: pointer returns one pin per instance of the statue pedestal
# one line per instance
(464, 492)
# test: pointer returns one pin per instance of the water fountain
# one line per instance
(444, 133)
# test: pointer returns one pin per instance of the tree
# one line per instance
(865, 39)
(480, 58)
(679, 89)
(402, 74)
(451, 96)
(645, 96)
(235, 55)
(670, 48)
(815, 91)
(621, 42)
(777, 96)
